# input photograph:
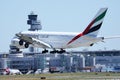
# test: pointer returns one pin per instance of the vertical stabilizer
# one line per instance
(93, 28)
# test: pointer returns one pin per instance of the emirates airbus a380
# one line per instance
(59, 41)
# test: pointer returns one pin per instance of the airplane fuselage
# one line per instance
(59, 40)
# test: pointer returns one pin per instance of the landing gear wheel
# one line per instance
(62, 51)
(54, 51)
(17, 49)
(45, 51)
(26, 45)
(21, 42)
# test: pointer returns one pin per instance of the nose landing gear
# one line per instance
(26, 44)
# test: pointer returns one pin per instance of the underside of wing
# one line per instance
(33, 41)
(39, 43)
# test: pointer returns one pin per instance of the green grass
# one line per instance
(64, 76)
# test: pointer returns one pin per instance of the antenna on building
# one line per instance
(33, 22)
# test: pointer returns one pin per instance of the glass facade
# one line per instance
(34, 61)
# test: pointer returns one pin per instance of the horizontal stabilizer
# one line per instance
(112, 37)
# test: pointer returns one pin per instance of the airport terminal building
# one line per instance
(66, 62)
(70, 61)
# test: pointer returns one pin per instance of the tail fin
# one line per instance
(93, 28)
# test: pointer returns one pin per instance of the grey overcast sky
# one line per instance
(59, 15)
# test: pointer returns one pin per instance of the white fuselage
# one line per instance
(59, 40)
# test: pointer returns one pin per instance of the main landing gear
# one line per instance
(26, 44)
(45, 51)
(54, 51)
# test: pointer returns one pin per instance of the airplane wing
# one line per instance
(33, 41)
(38, 43)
